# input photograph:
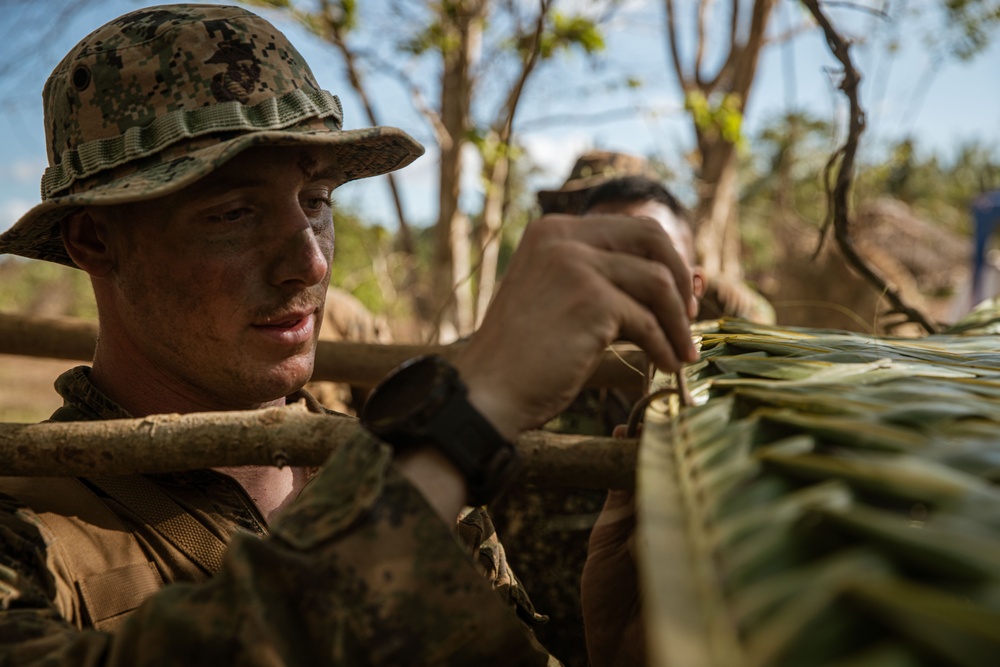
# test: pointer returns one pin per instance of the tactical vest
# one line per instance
(101, 571)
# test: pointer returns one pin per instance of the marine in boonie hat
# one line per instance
(160, 97)
(591, 170)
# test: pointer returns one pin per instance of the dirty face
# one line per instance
(219, 289)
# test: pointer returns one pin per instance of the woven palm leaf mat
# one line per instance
(831, 499)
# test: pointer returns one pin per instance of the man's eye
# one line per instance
(318, 203)
(234, 215)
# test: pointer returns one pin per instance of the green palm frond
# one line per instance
(832, 499)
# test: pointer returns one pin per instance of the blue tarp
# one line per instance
(986, 217)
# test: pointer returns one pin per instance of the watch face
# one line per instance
(399, 401)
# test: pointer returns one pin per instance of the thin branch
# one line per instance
(845, 173)
(270, 437)
(504, 125)
(335, 35)
(441, 135)
(359, 364)
(700, 47)
(745, 67)
(736, 49)
(788, 35)
(830, 203)
(675, 56)
(843, 4)
(734, 24)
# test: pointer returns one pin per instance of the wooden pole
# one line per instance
(359, 364)
(273, 436)
(52, 337)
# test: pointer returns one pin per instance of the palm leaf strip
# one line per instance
(831, 499)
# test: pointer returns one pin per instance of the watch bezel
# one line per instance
(387, 412)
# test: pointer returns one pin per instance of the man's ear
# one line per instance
(85, 236)
(698, 280)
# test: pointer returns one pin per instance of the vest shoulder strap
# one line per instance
(168, 518)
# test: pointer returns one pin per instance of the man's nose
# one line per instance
(304, 249)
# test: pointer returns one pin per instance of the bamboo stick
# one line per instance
(272, 436)
(359, 364)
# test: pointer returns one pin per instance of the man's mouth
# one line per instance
(286, 319)
(283, 324)
(288, 328)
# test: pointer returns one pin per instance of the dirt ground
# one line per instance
(26, 391)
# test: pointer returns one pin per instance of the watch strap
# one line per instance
(487, 460)
(425, 403)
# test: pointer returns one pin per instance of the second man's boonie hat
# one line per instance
(160, 97)
(591, 170)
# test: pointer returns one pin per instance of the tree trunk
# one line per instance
(451, 254)
(492, 225)
(718, 235)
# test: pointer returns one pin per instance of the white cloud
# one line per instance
(11, 210)
(554, 155)
(22, 171)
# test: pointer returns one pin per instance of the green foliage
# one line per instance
(358, 246)
(718, 115)
(43, 288)
(969, 25)
(939, 188)
(433, 37)
(566, 32)
(348, 14)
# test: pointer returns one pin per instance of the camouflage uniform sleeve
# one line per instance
(475, 529)
(358, 571)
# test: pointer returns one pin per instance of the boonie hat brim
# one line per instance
(360, 153)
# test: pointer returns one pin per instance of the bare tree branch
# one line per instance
(505, 116)
(492, 216)
(734, 23)
(788, 35)
(843, 4)
(270, 437)
(746, 65)
(335, 35)
(736, 48)
(675, 56)
(845, 172)
(700, 46)
(359, 364)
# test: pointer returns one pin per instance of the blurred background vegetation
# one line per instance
(473, 69)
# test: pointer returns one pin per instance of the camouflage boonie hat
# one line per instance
(160, 97)
(591, 170)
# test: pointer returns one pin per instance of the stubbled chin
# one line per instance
(296, 371)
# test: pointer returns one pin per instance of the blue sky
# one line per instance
(959, 103)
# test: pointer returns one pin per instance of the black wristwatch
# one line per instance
(424, 402)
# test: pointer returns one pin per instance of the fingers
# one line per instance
(654, 314)
(639, 237)
(651, 295)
